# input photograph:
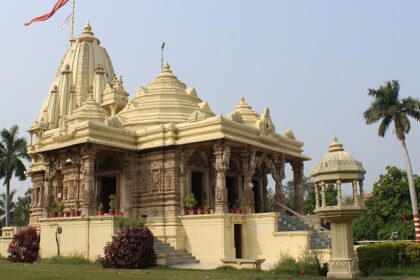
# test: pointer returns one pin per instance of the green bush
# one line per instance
(390, 254)
(66, 260)
(310, 262)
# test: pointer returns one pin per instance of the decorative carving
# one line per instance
(113, 121)
(196, 116)
(289, 134)
(156, 173)
(236, 116)
(197, 160)
(226, 157)
(266, 124)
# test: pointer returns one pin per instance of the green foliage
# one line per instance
(129, 222)
(190, 201)
(74, 260)
(387, 107)
(310, 263)
(12, 153)
(388, 210)
(20, 214)
(390, 254)
(112, 201)
(309, 202)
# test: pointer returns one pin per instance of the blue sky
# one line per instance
(311, 62)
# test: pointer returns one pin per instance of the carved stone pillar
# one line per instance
(248, 167)
(88, 204)
(297, 167)
(47, 195)
(222, 156)
(317, 195)
(278, 176)
(127, 182)
(339, 194)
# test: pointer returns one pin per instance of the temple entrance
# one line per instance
(238, 240)
(197, 187)
(257, 196)
(232, 192)
(108, 187)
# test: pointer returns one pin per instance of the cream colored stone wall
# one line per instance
(210, 238)
(262, 240)
(80, 236)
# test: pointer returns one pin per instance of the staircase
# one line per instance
(172, 256)
(318, 240)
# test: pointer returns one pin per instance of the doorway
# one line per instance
(232, 192)
(108, 187)
(237, 229)
(197, 187)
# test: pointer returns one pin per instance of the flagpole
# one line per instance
(161, 56)
(72, 22)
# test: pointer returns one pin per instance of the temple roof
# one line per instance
(164, 100)
(86, 67)
(87, 103)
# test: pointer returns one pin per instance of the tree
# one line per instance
(3, 205)
(20, 214)
(310, 201)
(387, 107)
(12, 152)
(388, 210)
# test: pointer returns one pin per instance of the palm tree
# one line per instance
(386, 107)
(12, 205)
(12, 152)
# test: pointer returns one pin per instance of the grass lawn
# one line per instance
(46, 271)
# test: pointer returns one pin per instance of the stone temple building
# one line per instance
(152, 150)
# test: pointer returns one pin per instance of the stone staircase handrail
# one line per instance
(302, 217)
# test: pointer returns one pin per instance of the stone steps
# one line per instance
(318, 239)
(172, 256)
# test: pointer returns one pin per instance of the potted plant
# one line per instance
(112, 203)
(190, 202)
(72, 212)
(239, 209)
(206, 209)
(77, 206)
(53, 211)
(67, 213)
(60, 209)
(100, 209)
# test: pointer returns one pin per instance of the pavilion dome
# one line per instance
(85, 69)
(164, 100)
(338, 163)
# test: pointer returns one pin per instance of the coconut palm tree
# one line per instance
(387, 107)
(12, 152)
(12, 205)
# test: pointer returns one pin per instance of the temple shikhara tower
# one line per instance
(151, 151)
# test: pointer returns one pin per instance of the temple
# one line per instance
(151, 151)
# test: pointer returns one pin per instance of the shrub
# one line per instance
(310, 262)
(24, 246)
(129, 222)
(130, 248)
(286, 265)
(77, 260)
(390, 254)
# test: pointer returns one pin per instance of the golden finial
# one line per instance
(166, 67)
(88, 28)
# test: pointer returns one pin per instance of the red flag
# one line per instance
(58, 5)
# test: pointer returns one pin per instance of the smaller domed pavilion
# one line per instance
(337, 168)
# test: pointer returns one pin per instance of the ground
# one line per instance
(46, 271)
